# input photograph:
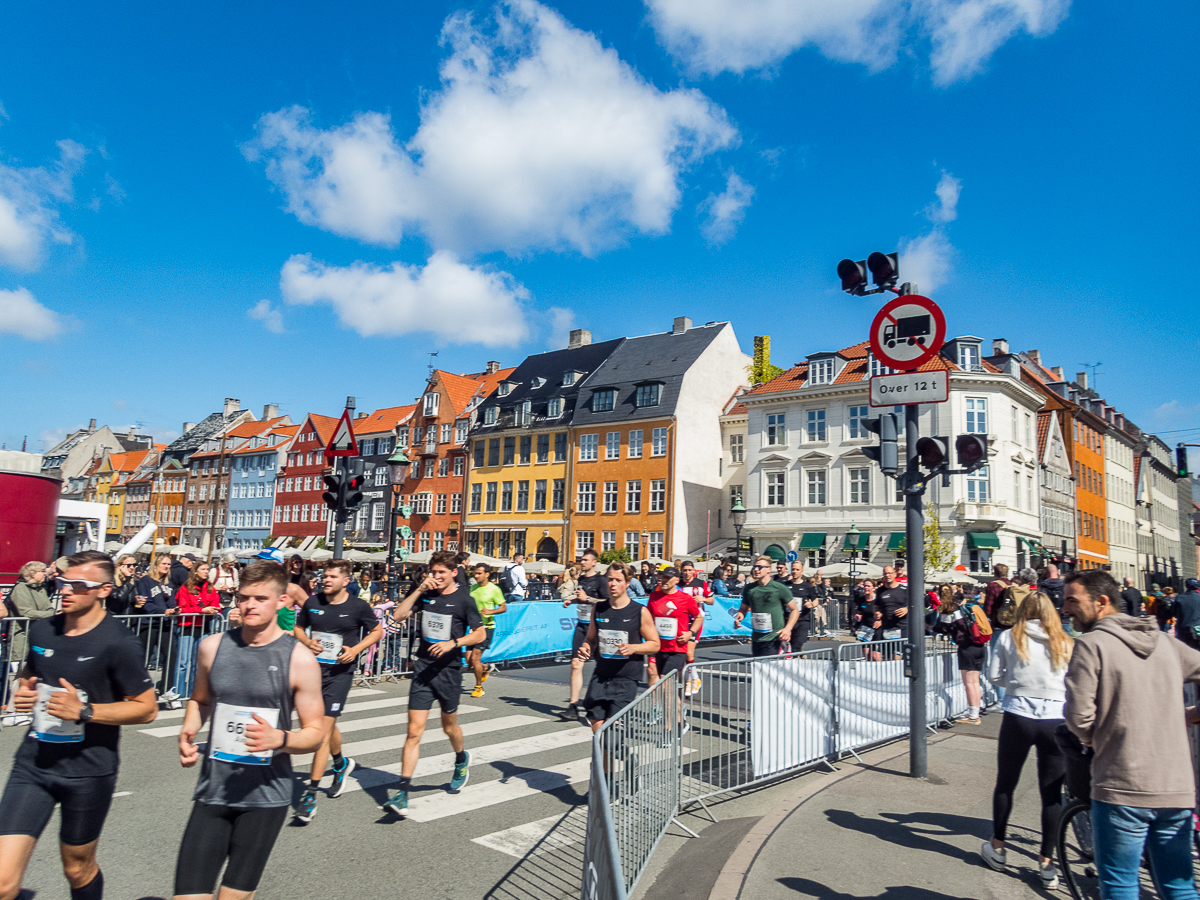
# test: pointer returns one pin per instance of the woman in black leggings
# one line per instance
(1030, 661)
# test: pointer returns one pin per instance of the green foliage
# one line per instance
(761, 369)
(939, 552)
(609, 556)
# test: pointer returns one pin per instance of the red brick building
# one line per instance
(299, 510)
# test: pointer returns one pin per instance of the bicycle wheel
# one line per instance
(1076, 857)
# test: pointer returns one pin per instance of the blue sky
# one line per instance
(290, 203)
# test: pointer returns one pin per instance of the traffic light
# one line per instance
(1181, 460)
(354, 484)
(853, 275)
(885, 268)
(933, 452)
(887, 453)
(336, 494)
(971, 450)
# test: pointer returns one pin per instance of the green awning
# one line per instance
(896, 542)
(812, 540)
(776, 553)
(856, 542)
(983, 540)
(1034, 546)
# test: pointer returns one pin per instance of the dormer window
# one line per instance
(603, 401)
(648, 395)
(569, 378)
(968, 357)
(820, 371)
(875, 367)
(526, 413)
(538, 382)
(489, 415)
(504, 389)
(554, 408)
(431, 403)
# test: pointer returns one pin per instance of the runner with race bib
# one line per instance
(677, 619)
(249, 681)
(769, 603)
(593, 587)
(83, 678)
(337, 624)
(449, 621)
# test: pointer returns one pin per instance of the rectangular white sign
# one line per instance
(910, 387)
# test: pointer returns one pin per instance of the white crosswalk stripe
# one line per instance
(540, 836)
(387, 703)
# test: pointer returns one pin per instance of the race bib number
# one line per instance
(761, 622)
(891, 634)
(52, 729)
(436, 626)
(585, 612)
(668, 627)
(331, 646)
(227, 739)
(609, 641)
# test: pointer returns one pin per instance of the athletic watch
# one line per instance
(86, 713)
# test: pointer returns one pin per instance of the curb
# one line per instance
(733, 874)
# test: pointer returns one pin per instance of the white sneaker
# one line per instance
(1049, 875)
(997, 859)
(12, 720)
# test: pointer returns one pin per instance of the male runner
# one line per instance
(593, 587)
(490, 600)
(333, 617)
(450, 620)
(249, 681)
(678, 618)
(806, 597)
(766, 600)
(691, 582)
(84, 677)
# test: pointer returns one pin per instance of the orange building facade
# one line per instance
(1087, 439)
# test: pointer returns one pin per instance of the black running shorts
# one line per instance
(772, 647)
(432, 682)
(334, 691)
(244, 836)
(580, 635)
(970, 658)
(666, 663)
(608, 696)
(487, 639)
(30, 795)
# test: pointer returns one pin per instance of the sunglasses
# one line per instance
(759, 567)
(79, 586)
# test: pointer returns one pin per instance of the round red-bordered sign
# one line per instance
(908, 332)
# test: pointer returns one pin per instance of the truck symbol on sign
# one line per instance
(911, 330)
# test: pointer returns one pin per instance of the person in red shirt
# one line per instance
(194, 600)
(678, 619)
(691, 582)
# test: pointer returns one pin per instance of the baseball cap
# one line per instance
(274, 554)
(668, 572)
(192, 556)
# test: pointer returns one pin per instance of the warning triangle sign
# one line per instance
(343, 442)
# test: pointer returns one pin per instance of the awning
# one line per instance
(983, 540)
(856, 542)
(776, 553)
(812, 540)
(1035, 547)
(896, 542)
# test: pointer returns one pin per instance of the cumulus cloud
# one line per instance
(22, 315)
(270, 316)
(562, 321)
(539, 138)
(29, 201)
(712, 36)
(454, 301)
(725, 211)
(946, 207)
(926, 260)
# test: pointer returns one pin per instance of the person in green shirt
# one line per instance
(767, 601)
(490, 600)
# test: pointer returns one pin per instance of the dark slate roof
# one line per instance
(663, 358)
(188, 443)
(550, 367)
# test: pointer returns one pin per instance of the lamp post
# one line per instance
(737, 515)
(852, 537)
(645, 543)
(398, 465)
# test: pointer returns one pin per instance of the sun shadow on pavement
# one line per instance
(808, 888)
(553, 868)
(924, 831)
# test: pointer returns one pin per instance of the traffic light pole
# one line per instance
(339, 515)
(914, 523)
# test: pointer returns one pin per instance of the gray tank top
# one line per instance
(255, 677)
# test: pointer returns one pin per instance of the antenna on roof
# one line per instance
(1093, 367)
(432, 354)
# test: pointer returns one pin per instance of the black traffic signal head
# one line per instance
(333, 496)
(853, 275)
(354, 494)
(1181, 461)
(885, 268)
(887, 453)
(971, 450)
(933, 452)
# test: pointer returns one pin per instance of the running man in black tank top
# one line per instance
(593, 588)
(248, 682)
(612, 639)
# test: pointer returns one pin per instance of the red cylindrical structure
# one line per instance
(28, 518)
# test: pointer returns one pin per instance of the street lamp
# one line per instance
(737, 515)
(398, 465)
(645, 542)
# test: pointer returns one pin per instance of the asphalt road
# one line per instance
(514, 831)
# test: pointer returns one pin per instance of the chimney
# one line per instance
(361, 415)
(188, 426)
(270, 411)
(580, 337)
(682, 324)
(999, 347)
(231, 406)
(1035, 355)
(492, 367)
(1081, 379)
(91, 425)
(1058, 372)
(132, 431)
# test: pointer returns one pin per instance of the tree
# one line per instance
(610, 556)
(939, 552)
(762, 369)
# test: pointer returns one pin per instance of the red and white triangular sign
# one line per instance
(343, 442)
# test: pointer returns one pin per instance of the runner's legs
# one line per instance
(417, 718)
(321, 755)
(15, 851)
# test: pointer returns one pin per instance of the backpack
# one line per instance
(507, 582)
(981, 628)
(1006, 614)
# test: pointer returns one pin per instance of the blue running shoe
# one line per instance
(461, 775)
(340, 776)
(307, 807)
(398, 802)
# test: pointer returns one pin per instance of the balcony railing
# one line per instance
(991, 511)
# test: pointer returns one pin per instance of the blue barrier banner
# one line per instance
(718, 619)
(531, 628)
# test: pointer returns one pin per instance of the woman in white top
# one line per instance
(1030, 662)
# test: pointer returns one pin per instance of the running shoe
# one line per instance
(461, 773)
(340, 776)
(997, 859)
(478, 692)
(571, 713)
(307, 808)
(14, 719)
(398, 802)
(487, 673)
(689, 687)
(696, 685)
(1049, 875)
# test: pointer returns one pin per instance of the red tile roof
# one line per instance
(462, 388)
(323, 425)
(1043, 434)
(383, 419)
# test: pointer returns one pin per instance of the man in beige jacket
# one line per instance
(1125, 700)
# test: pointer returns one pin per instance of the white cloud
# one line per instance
(28, 207)
(562, 321)
(22, 315)
(926, 260)
(712, 36)
(269, 315)
(946, 208)
(457, 302)
(538, 138)
(726, 210)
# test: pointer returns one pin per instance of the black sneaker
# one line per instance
(340, 775)
(307, 808)
(571, 713)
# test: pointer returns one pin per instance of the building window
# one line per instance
(968, 359)
(816, 424)
(585, 501)
(857, 428)
(444, 467)
(459, 466)
(647, 395)
(489, 416)
(776, 488)
(510, 450)
(602, 401)
(526, 448)
(558, 498)
(654, 545)
(977, 415)
(589, 447)
(429, 467)
(560, 447)
(455, 503)
(539, 495)
(473, 541)
(816, 487)
(491, 497)
(1016, 489)
(820, 371)
(518, 543)
(980, 561)
(506, 497)
(608, 540)
(736, 449)
(445, 432)
(658, 495)
(494, 452)
(658, 442)
(633, 545)
(612, 445)
(977, 486)
(460, 431)
(477, 462)
(735, 495)
(377, 514)
(876, 368)
(525, 415)
(402, 436)
(777, 430)
(610, 496)
(633, 496)
(636, 439)
(522, 496)
(584, 540)
(441, 504)
(502, 544)
(1029, 492)
(817, 558)
(543, 448)
(476, 498)
(431, 403)
(380, 476)
(860, 485)
(554, 408)
(439, 540)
